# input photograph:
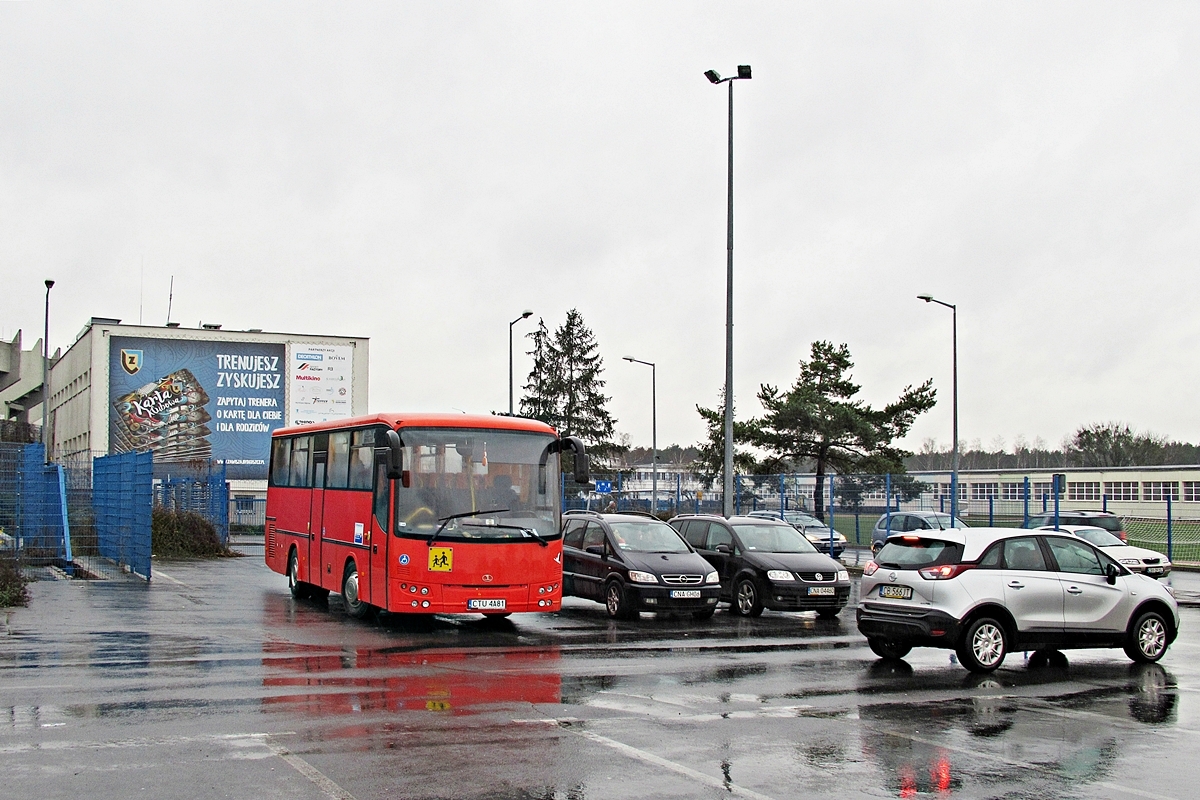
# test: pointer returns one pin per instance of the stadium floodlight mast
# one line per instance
(743, 74)
(928, 298)
(653, 430)
(46, 377)
(526, 314)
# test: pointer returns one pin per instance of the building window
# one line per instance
(1043, 489)
(1012, 491)
(1083, 490)
(982, 491)
(1121, 490)
(1158, 490)
(1191, 491)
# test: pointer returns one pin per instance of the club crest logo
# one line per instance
(131, 361)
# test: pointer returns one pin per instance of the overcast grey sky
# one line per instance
(419, 173)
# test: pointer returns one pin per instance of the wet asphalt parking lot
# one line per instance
(214, 683)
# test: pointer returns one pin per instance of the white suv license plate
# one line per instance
(821, 590)
(685, 594)
(896, 592)
(486, 604)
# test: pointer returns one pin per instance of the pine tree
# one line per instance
(565, 388)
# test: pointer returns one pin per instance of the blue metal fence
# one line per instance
(122, 496)
(199, 488)
(33, 507)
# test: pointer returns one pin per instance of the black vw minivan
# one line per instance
(633, 563)
(766, 563)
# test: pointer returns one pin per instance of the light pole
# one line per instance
(653, 430)
(524, 315)
(727, 477)
(46, 377)
(928, 298)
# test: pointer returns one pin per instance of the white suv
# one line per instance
(985, 591)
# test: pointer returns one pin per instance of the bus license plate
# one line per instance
(685, 594)
(821, 590)
(896, 592)
(486, 604)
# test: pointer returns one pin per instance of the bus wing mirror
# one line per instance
(395, 455)
(582, 462)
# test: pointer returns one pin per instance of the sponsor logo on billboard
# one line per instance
(310, 356)
(131, 361)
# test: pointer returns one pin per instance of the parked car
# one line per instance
(814, 530)
(1136, 559)
(766, 563)
(634, 562)
(904, 521)
(985, 591)
(1096, 519)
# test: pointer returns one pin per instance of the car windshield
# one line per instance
(804, 520)
(769, 538)
(942, 521)
(918, 553)
(1099, 537)
(511, 474)
(647, 536)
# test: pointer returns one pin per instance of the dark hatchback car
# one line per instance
(765, 563)
(635, 563)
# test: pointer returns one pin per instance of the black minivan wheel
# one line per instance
(616, 603)
(984, 645)
(747, 601)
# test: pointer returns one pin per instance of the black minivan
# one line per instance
(634, 563)
(766, 563)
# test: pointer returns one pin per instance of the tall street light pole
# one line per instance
(46, 377)
(928, 298)
(727, 473)
(653, 430)
(524, 315)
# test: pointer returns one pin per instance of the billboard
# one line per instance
(186, 399)
(321, 378)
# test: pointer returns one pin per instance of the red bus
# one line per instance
(420, 513)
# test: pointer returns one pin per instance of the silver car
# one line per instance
(1136, 559)
(985, 591)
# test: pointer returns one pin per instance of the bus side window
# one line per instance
(362, 453)
(281, 456)
(382, 486)
(339, 460)
(301, 447)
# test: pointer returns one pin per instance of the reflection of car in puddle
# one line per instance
(321, 682)
(934, 747)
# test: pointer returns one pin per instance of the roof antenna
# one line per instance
(170, 298)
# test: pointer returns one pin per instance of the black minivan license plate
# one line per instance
(896, 592)
(685, 594)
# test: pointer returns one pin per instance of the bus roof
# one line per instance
(424, 420)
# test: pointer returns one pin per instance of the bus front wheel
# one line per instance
(300, 590)
(355, 606)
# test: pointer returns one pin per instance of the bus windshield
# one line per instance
(510, 475)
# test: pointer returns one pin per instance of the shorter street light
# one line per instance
(526, 314)
(46, 376)
(928, 298)
(653, 430)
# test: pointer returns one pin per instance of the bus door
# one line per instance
(316, 516)
(380, 537)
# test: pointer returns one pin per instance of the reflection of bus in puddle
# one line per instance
(993, 738)
(318, 681)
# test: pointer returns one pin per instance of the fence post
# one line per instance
(678, 486)
(737, 495)
(782, 503)
(831, 535)
(1025, 522)
(991, 511)
(1170, 555)
(619, 497)
(887, 502)
(1104, 502)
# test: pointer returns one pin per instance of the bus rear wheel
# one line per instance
(355, 606)
(300, 590)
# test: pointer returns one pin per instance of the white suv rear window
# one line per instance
(914, 553)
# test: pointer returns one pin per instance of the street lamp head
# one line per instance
(744, 71)
(928, 298)
(49, 284)
(713, 76)
(628, 358)
(526, 314)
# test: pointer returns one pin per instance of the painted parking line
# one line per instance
(649, 758)
(319, 779)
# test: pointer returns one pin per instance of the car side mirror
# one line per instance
(1111, 574)
(723, 549)
(595, 549)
